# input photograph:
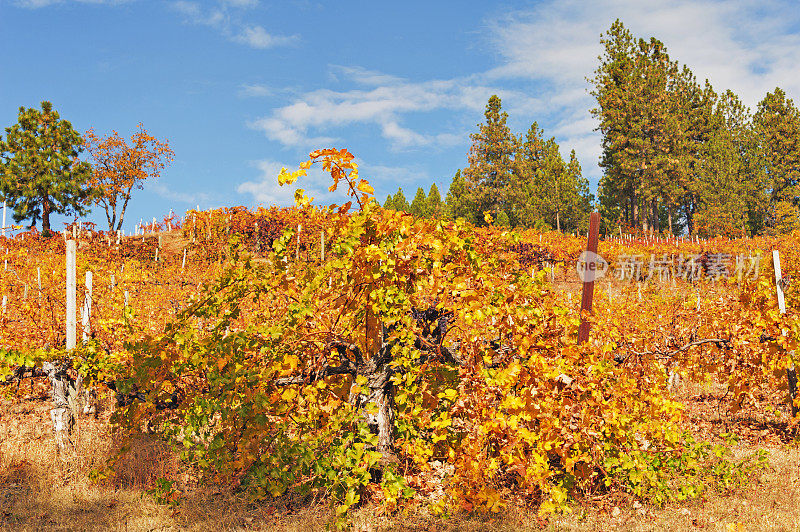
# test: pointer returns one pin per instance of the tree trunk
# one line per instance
(669, 218)
(558, 222)
(690, 214)
(646, 215)
(656, 221)
(46, 217)
(124, 207)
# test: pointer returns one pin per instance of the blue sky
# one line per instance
(243, 87)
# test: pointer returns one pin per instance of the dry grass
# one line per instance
(42, 491)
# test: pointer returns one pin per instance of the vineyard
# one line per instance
(362, 356)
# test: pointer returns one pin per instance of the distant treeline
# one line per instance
(677, 157)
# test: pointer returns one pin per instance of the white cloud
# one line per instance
(254, 91)
(747, 46)
(313, 114)
(550, 49)
(225, 17)
(266, 189)
(363, 76)
(241, 3)
(182, 197)
(36, 4)
(257, 37)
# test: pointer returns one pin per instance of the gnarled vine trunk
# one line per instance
(65, 392)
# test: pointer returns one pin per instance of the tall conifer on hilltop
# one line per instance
(491, 158)
(418, 206)
(777, 128)
(458, 203)
(40, 173)
(399, 201)
(433, 204)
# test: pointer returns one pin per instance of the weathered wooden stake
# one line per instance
(588, 287)
(71, 295)
(297, 252)
(791, 372)
(87, 308)
(322, 245)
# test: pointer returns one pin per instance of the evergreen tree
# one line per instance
(490, 160)
(40, 173)
(502, 220)
(777, 130)
(644, 119)
(458, 203)
(399, 201)
(389, 203)
(434, 203)
(526, 201)
(579, 201)
(727, 187)
(419, 203)
(614, 87)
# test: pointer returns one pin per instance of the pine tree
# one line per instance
(502, 220)
(389, 203)
(434, 203)
(727, 188)
(777, 128)
(644, 131)
(526, 201)
(490, 160)
(40, 173)
(419, 204)
(614, 83)
(458, 203)
(399, 201)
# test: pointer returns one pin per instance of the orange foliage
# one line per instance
(118, 168)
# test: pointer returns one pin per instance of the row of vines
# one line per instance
(421, 362)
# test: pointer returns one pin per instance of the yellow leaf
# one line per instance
(365, 187)
(289, 394)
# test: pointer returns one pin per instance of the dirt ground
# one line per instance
(42, 491)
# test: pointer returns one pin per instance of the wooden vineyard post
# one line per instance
(588, 285)
(87, 308)
(5, 208)
(297, 252)
(791, 373)
(71, 298)
(322, 245)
